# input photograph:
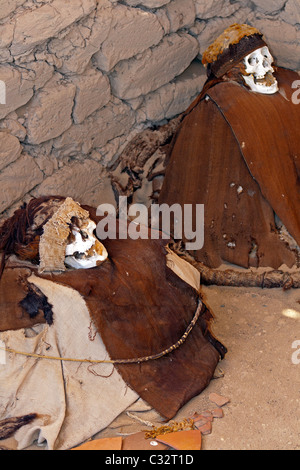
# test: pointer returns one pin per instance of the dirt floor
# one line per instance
(260, 374)
(259, 328)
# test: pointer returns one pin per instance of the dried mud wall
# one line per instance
(83, 77)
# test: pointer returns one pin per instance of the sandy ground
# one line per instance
(259, 328)
(258, 375)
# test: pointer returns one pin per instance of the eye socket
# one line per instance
(266, 53)
(84, 235)
(252, 61)
(268, 58)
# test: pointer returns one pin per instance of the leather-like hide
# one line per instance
(237, 152)
(14, 289)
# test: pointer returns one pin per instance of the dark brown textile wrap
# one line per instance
(237, 152)
(14, 289)
(140, 308)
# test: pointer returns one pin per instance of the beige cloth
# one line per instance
(73, 402)
(184, 270)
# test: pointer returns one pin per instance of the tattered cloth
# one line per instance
(237, 152)
(235, 43)
(140, 307)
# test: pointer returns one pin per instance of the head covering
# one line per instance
(38, 232)
(235, 43)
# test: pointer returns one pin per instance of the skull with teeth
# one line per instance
(241, 54)
(259, 72)
(83, 249)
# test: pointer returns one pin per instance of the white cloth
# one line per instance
(72, 402)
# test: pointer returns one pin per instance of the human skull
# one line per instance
(259, 72)
(84, 250)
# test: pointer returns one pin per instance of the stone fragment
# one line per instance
(269, 6)
(147, 3)
(205, 429)
(10, 149)
(92, 93)
(83, 40)
(13, 126)
(132, 31)
(218, 413)
(181, 14)
(17, 93)
(219, 400)
(6, 37)
(38, 73)
(155, 67)
(21, 83)
(208, 415)
(174, 98)
(161, 15)
(199, 421)
(86, 182)
(49, 113)
(206, 9)
(291, 12)
(17, 179)
(111, 121)
(46, 164)
(9, 6)
(34, 27)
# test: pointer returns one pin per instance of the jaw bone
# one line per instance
(259, 72)
(262, 84)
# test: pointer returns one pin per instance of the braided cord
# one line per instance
(119, 361)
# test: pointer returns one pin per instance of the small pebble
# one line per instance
(218, 399)
(218, 413)
(206, 429)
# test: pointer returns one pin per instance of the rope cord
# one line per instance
(119, 361)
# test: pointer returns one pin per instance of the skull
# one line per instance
(259, 72)
(84, 250)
